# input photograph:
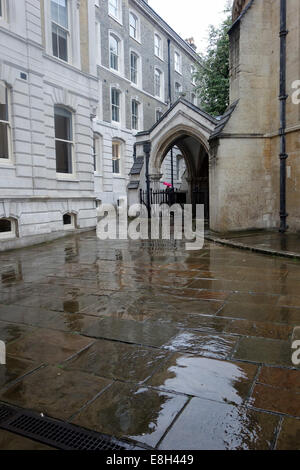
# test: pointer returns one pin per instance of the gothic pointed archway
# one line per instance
(188, 129)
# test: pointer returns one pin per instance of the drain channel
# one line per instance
(63, 436)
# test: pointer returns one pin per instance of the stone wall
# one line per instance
(245, 168)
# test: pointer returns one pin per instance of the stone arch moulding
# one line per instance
(8, 74)
(63, 97)
(10, 210)
(160, 148)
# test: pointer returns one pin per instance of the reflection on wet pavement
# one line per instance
(207, 425)
(173, 349)
(206, 378)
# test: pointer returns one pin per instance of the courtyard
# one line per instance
(147, 342)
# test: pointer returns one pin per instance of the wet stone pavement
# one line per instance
(149, 342)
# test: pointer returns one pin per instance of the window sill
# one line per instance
(137, 86)
(118, 125)
(3, 22)
(4, 238)
(116, 72)
(159, 98)
(5, 163)
(160, 58)
(177, 71)
(118, 20)
(135, 39)
(67, 177)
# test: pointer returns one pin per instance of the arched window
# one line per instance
(133, 26)
(8, 228)
(158, 83)
(193, 77)
(134, 62)
(158, 46)
(64, 144)
(5, 129)
(177, 62)
(69, 221)
(97, 152)
(178, 90)
(116, 156)
(135, 115)
(60, 28)
(114, 8)
(114, 48)
(115, 105)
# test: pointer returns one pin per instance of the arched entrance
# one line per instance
(192, 186)
(184, 130)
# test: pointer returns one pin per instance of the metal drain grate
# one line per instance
(57, 434)
(5, 413)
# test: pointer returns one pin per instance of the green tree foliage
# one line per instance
(212, 78)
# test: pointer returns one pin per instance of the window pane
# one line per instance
(63, 157)
(157, 45)
(133, 26)
(95, 152)
(135, 115)
(63, 124)
(5, 226)
(115, 108)
(3, 103)
(115, 97)
(59, 12)
(3, 140)
(157, 83)
(113, 7)
(67, 218)
(134, 68)
(59, 42)
(62, 44)
(114, 53)
(116, 157)
(0, 7)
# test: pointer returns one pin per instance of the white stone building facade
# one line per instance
(61, 151)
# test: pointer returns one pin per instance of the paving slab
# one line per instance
(48, 346)
(289, 437)
(207, 425)
(117, 360)
(55, 392)
(137, 413)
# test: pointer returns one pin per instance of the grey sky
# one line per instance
(191, 18)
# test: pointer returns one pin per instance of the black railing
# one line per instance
(163, 196)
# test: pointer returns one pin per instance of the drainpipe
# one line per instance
(170, 104)
(282, 131)
(169, 73)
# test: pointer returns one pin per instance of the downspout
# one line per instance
(282, 131)
(170, 104)
(169, 73)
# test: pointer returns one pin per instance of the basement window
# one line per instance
(69, 221)
(8, 229)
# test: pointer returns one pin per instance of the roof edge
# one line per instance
(237, 21)
(186, 103)
(150, 11)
